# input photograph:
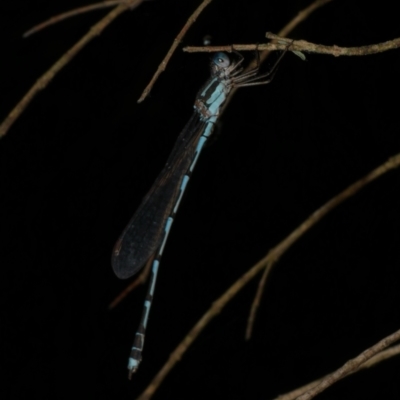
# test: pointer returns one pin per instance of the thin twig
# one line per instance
(351, 366)
(303, 46)
(177, 41)
(47, 77)
(350, 191)
(269, 260)
(336, 51)
(72, 13)
(376, 359)
(256, 303)
(300, 17)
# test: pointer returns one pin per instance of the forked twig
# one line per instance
(300, 17)
(376, 359)
(267, 262)
(351, 366)
(356, 51)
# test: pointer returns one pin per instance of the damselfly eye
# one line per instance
(221, 60)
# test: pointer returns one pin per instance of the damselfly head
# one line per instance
(219, 61)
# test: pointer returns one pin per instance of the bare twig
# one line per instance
(310, 47)
(341, 51)
(72, 13)
(256, 303)
(177, 40)
(351, 366)
(47, 77)
(268, 261)
(300, 17)
(350, 191)
(303, 46)
(376, 359)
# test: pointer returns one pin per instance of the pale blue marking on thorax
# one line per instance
(210, 100)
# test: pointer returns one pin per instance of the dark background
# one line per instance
(76, 165)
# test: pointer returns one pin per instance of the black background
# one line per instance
(77, 163)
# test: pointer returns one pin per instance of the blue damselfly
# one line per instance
(143, 240)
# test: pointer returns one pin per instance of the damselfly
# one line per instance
(143, 240)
